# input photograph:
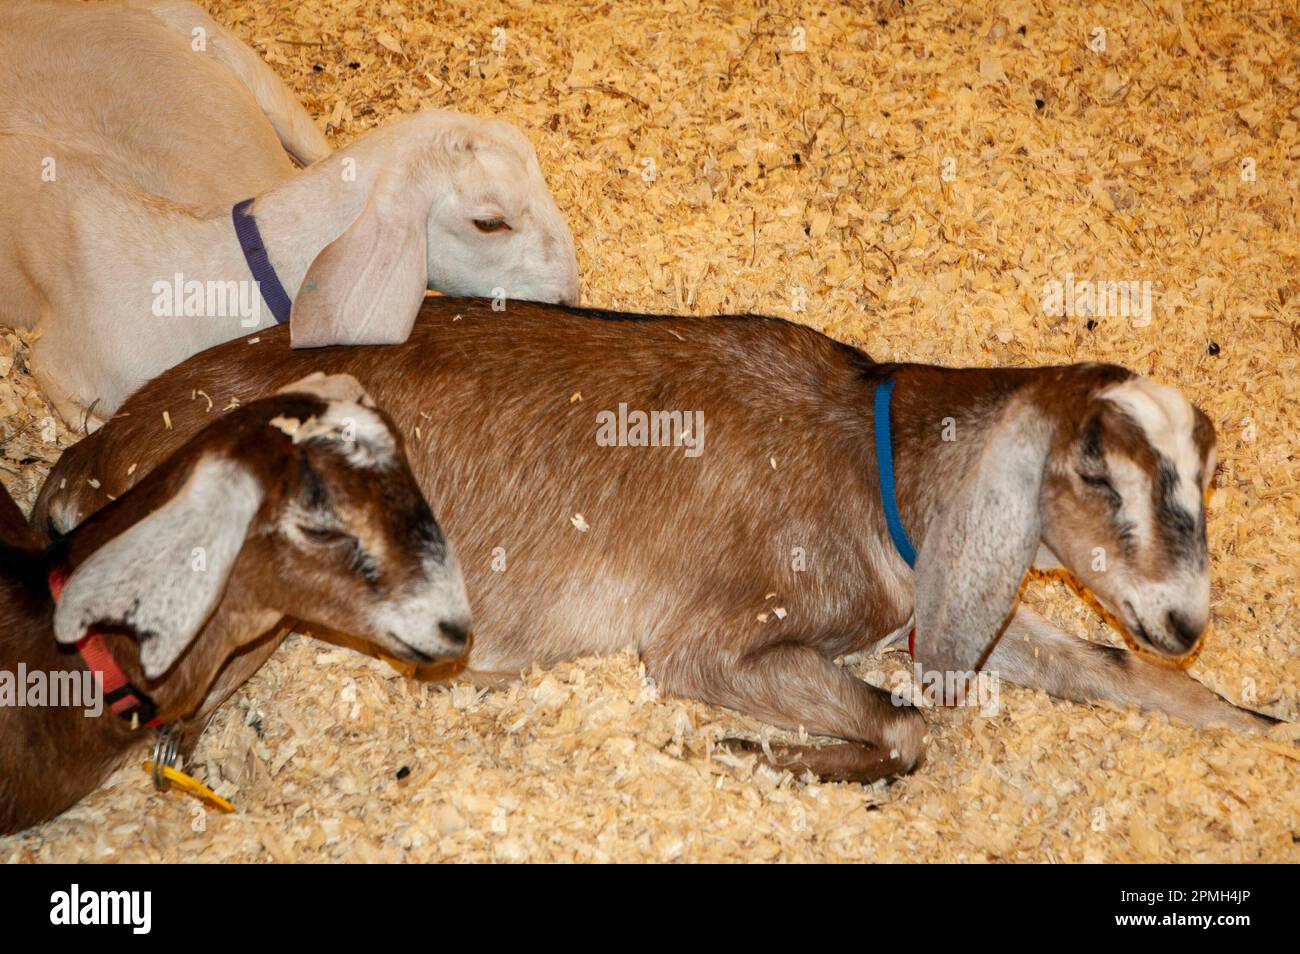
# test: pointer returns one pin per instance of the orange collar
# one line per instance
(123, 698)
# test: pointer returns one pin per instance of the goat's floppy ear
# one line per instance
(976, 552)
(165, 575)
(366, 286)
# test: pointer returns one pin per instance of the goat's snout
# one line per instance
(451, 642)
(1168, 631)
(434, 641)
(431, 620)
(1182, 630)
(455, 631)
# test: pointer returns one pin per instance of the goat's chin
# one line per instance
(391, 645)
(417, 664)
(441, 663)
(1156, 644)
(399, 650)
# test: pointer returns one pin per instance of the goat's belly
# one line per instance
(549, 622)
(563, 613)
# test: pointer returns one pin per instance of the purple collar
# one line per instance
(259, 263)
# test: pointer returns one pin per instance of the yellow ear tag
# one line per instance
(192, 786)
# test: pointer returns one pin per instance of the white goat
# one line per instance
(130, 130)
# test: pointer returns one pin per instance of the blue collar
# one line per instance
(259, 263)
(885, 467)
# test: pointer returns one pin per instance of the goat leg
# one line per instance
(1034, 653)
(794, 685)
(292, 123)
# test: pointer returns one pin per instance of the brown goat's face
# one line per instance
(354, 546)
(1124, 511)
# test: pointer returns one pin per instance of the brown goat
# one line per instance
(573, 547)
(300, 505)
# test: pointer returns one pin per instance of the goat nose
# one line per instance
(1182, 629)
(455, 632)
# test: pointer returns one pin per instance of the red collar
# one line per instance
(123, 698)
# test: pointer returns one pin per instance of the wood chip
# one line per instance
(1063, 160)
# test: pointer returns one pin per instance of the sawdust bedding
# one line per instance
(908, 183)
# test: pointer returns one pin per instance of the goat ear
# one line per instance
(165, 575)
(976, 552)
(366, 286)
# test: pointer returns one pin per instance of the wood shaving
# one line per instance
(907, 182)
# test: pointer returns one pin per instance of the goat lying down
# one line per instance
(184, 582)
(128, 134)
(572, 547)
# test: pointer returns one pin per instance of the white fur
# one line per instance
(1133, 484)
(349, 418)
(1167, 419)
(440, 598)
(330, 387)
(64, 513)
(1186, 592)
(144, 180)
(366, 439)
(165, 575)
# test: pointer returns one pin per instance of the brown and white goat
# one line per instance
(572, 547)
(300, 506)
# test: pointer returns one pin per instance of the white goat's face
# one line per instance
(1124, 511)
(497, 231)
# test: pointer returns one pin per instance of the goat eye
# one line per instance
(492, 225)
(1104, 487)
(323, 535)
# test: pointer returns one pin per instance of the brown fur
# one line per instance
(52, 756)
(681, 554)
